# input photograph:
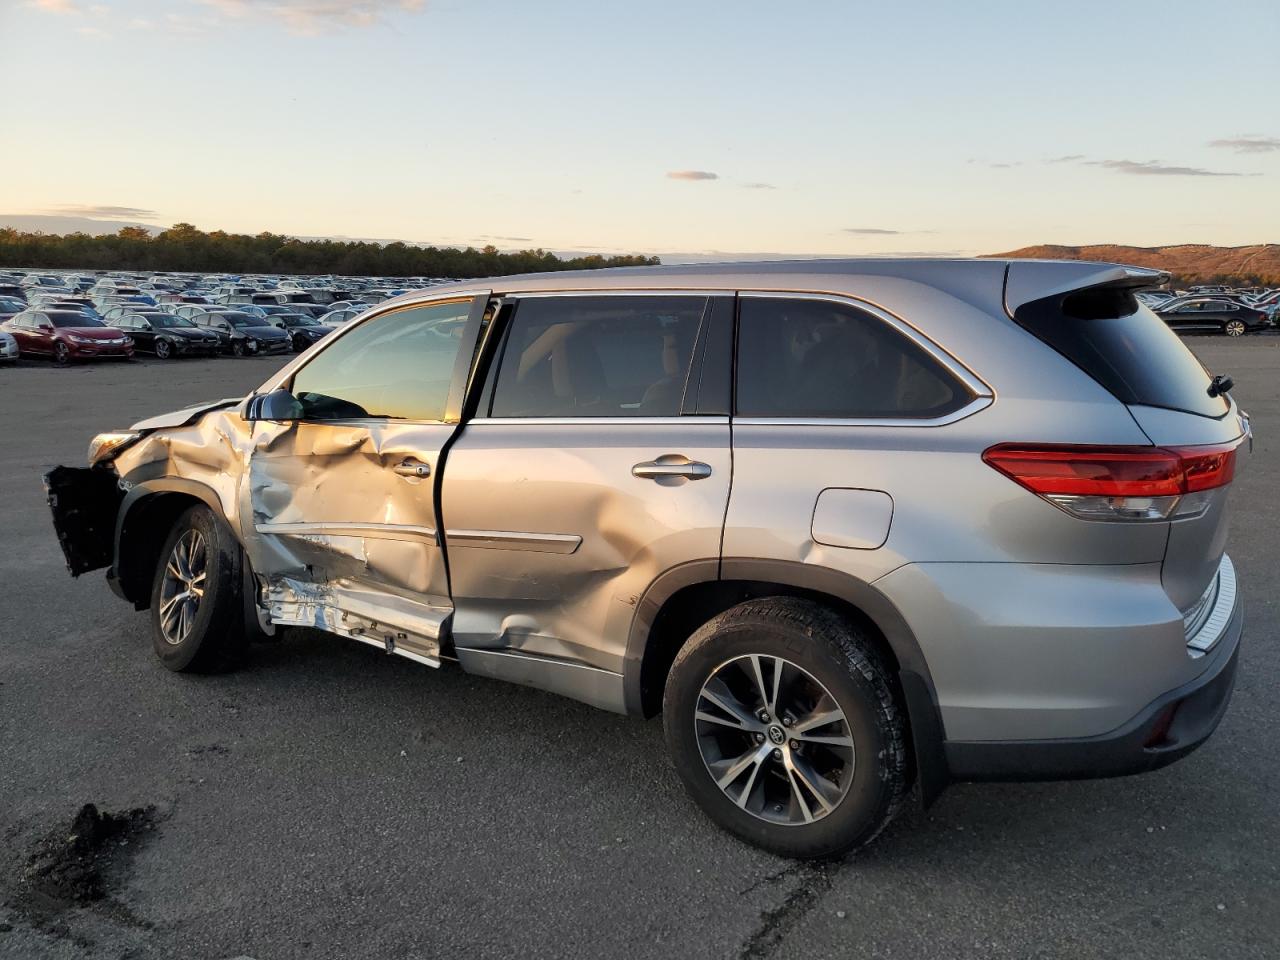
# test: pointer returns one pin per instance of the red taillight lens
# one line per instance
(1092, 471)
(1115, 471)
(1207, 467)
(1118, 483)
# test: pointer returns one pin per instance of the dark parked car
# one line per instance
(166, 335)
(67, 335)
(243, 335)
(303, 330)
(1208, 314)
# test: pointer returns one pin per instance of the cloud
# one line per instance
(759, 186)
(54, 6)
(486, 236)
(1154, 168)
(1068, 158)
(692, 175)
(315, 16)
(104, 212)
(872, 232)
(1248, 144)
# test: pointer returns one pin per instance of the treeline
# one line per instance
(184, 248)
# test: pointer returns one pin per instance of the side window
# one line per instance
(399, 365)
(605, 356)
(815, 358)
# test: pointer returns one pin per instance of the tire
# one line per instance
(210, 635)
(825, 659)
(61, 353)
(1234, 328)
(163, 349)
(237, 348)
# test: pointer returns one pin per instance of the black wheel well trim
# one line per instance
(729, 581)
(144, 495)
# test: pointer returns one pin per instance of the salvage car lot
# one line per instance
(332, 801)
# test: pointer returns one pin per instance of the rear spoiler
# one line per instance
(1029, 280)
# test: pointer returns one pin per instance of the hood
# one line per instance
(263, 332)
(93, 333)
(180, 418)
(187, 333)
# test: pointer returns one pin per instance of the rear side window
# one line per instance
(607, 356)
(1111, 336)
(821, 359)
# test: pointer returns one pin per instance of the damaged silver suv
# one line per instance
(849, 526)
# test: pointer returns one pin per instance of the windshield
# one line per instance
(295, 320)
(166, 321)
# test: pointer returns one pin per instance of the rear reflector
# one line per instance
(1118, 483)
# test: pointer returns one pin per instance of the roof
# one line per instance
(993, 285)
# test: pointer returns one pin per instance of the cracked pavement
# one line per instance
(330, 801)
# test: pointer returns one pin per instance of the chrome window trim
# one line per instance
(975, 384)
(627, 292)
(968, 410)
(602, 421)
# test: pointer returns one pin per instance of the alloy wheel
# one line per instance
(185, 575)
(774, 740)
(61, 353)
(1235, 328)
(162, 349)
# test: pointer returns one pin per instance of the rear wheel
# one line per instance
(782, 723)
(196, 602)
(1234, 328)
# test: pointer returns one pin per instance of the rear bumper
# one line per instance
(1136, 746)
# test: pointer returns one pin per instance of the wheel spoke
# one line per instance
(755, 755)
(837, 741)
(745, 796)
(812, 781)
(727, 702)
(797, 795)
(758, 675)
(723, 721)
(819, 718)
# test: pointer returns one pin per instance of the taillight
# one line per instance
(1118, 483)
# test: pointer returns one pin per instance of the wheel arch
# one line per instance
(145, 516)
(687, 596)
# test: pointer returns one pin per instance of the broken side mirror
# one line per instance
(278, 405)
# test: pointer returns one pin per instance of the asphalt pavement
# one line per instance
(329, 801)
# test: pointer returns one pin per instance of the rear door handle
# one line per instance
(409, 467)
(671, 465)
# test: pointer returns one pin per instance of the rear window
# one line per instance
(1119, 342)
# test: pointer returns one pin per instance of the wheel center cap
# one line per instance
(777, 734)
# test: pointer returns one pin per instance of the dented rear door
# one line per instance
(345, 533)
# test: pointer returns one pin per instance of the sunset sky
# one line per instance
(709, 127)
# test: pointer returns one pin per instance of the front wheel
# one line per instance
(196, 602)
(237, 348)
(163, 350)
(1234, 328)
(782, 723)
(61, 353)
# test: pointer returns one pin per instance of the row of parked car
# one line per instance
(1210, 309)
(75, 317)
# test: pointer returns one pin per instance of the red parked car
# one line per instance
(67, 335)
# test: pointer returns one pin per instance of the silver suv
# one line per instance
(849, 526)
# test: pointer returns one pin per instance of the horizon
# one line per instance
(761, 134)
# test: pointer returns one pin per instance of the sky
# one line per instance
(694, 126)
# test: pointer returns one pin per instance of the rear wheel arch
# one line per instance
(685, 597)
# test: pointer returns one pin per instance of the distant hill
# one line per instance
(1188, 262)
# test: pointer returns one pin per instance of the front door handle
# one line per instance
(671, 465)
(409, 467)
